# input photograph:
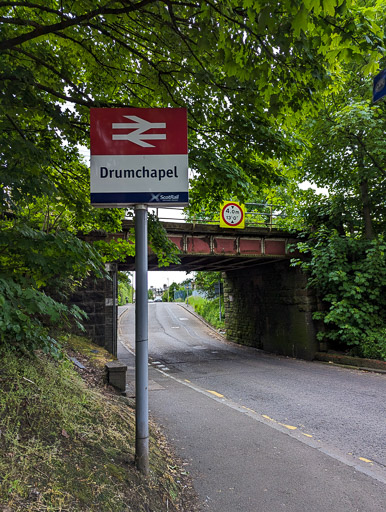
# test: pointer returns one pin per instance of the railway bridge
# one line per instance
(267, 302)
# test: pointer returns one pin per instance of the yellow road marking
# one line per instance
(268, 418)
(186, 380)
(366, 460)
(215, 393)
(290, 427)
(248, 409)
(307, 435)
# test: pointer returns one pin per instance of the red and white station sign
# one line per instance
(138, 156)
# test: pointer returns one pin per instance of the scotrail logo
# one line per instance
(161, 198)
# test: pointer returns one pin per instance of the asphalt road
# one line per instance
(261, 432)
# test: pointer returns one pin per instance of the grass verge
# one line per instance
(67, 441)
(209, 310)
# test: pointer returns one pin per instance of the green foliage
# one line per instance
(349, 274)
(125, 288)
(168, 295)
(347, 155)
(345, 252)
(27, 313)
(206, 281)
(166, 251)
(116, 250)
(43, 207)
(38, 271)
(259, 68)
(209, 310)
(45, 259)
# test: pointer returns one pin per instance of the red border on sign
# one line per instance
(241, 211)
(101, 131)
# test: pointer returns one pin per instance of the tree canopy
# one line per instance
(345, 251)
(248, 71)
(243, 68)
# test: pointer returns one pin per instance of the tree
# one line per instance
(246, 72)
(258, 67)
(206, 281)
(347, 155)
(125, 288)
(169, 294)
(345, 252)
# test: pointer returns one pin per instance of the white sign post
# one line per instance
(139, 157)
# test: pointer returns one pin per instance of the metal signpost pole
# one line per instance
(141, 340)
(131, 167)
(219, 298)
(115, 311)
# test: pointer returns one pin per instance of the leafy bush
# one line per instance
(125, 289)
(38, 272)
(206, 281)
(349, 274)
(25, 316)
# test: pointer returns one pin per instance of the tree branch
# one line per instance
(70, 22)
(50, 68)
(30, 6)
(19, 21)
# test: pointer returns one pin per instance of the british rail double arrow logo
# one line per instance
(138, 135)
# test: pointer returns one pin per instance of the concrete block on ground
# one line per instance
(116, 374)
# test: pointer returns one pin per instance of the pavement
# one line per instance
(240, 464)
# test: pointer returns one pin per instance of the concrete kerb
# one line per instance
(352, 363)
(190, 309)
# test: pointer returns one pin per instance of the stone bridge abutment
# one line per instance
(270, 307)
(97, 297)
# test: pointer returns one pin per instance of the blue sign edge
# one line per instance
(380, 94)
(123, 199)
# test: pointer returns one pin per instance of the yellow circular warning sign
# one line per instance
(232, 215)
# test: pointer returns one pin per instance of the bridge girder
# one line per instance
(209, 247)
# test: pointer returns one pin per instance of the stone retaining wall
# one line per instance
(95, 297)
(269, 307)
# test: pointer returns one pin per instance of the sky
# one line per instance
(160, 277)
